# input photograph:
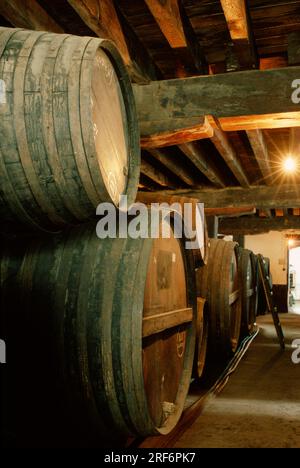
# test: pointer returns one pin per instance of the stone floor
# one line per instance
(260, 406)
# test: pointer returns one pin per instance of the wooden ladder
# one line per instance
(269, 299)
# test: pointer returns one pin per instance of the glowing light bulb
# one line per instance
(289, 165)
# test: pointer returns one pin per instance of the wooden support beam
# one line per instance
(294, 48)
(196, 155)
(169, 162)
(175, 25)
(238, 21)
(265, 214)
(253, 225)
(267, 63)
(238, 100)
(167, 16)
(279, 213)
(228, 153)
(28, 14)
(260, 196)
(261, 153)
(102, 17)
(229, 212)
(155, 175)
(160, 134)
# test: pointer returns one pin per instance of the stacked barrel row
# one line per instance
(102, 335)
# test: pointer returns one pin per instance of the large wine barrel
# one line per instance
(248, 273)
(104, 330)
(201, 338)
(262, 303)
(218, 283)
(69, 135)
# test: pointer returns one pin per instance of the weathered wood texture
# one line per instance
(260, 149)
(239, 100)
(259, 196)
(90, 342)
(61, 155)
(294, 48)
(28, 14)
(253, 225)
(230, 211)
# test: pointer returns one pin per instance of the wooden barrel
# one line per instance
(106, 332)
(201, 337)
(69, 135)
(248, 273)
(262, 303)
(218, 283)
(197, 218)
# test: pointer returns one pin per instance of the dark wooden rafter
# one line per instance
(228, 97)
(294, 48)
(156, 175)
(238, 20)
(175, 25)
(260, 196)
(229, 212)
(28, 14)
(253, 225)
(194, 153)
(101, 16)
(168, 161)
(261, 152)
(228, 153)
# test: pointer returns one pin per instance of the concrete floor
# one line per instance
(260, 406)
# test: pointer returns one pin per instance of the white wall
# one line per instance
(295, 262)
(274, 246)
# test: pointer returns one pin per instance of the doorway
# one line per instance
(294, 277)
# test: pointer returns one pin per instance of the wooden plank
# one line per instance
(177, 29)
(234, 296)
(102, 18)
(228, 153)
(28, 14)
(167, 16)
(260, 196)
(267, 63)
(261, 153)
(239, 100)
(173, 165)
(157, 323)
(200, 160)
(158, 135)
(157, 176)
(253, 225)
(237, 17)
(294, 48)
(230, 212)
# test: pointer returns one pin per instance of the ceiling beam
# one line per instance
(239, 100)
(228, 153)
(102, 17)
(175, 26)
(261, 153)
(238, 21)
(160, 134)
(28, 14)
(170, 163)
(229, 212)
(265, 214)
(156, 175)
(253, 225)
(196, 155)
(260, 196)
(294, 48)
